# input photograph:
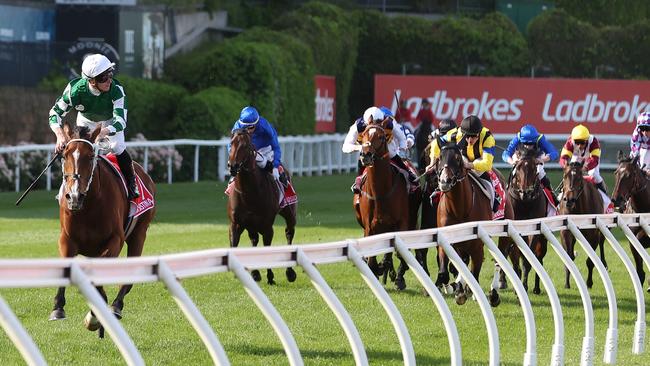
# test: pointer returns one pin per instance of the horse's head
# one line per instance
(79, 163)
(451, 168)
(573, 184)
(242, 152)
(630, 179)
(524, 182)
(374, 144)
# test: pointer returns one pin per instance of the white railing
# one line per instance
(170, 269)
(302, 155)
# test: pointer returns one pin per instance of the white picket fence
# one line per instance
(170, 269)
(302, 155)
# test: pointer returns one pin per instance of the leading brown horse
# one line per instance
(580, 197)
(254, 201)
(93, 213)
(632, 194)
(528, 202)
(384, 204)
(462, 201)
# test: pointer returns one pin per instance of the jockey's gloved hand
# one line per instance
(409, 143)
(268, 166)
(276, 174)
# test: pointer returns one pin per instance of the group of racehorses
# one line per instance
(95, 219)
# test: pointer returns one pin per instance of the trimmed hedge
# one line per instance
(332, 35)
(502, 48)
(208, 114)
(563, 42)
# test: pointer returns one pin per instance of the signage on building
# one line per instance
(325, 103)
(506, 104)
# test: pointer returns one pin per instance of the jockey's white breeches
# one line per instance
(540, 171)
(644, 158)
(116, 141)
(263, 155)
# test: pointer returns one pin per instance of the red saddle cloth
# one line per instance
(501, 192)
(141, 204)
(609, 205)
(288, 197)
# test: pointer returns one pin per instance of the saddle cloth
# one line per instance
(139, 205)
(607, 202)
(287, 194)
(551, 209)
(496, 189)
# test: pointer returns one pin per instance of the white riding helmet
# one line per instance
(94, 65)
(373, 114)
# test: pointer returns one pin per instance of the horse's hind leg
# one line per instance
(601, 245)
(267, 239)
(289, 214)
(59, 302)
(134, 245)
(254, 237)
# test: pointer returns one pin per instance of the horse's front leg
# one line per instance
(90, 320)
(442, 280)
(135, 245)
(400, 282)
(267, 239)
(568, 241)
(67, 249)
(289, 214)
(601, 245)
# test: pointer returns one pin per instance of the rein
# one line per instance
(76, 176)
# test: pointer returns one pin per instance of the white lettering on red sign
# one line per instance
(324, 107)
(591, 109)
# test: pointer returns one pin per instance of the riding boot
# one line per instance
(601, 186)
(126, 165)
(411, 177)
(547, 184)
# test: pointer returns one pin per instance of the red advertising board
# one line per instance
(506, 104)
(325, 103)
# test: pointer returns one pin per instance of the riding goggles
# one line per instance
(104, 76)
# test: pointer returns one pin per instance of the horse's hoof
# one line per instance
(271, 281)
(117, 312)
(648, 290)
(537, 291)
(590, 283)
(91, 322)
(400, 284)
(461, 299)
(256, 275)
(495, 300)
(291, 275)
(503, 285)
(59, 314)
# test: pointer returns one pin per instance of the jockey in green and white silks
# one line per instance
(99, 100)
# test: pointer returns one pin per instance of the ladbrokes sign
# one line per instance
(505, 104)
(325, 103)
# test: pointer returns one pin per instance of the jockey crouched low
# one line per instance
(396, 140)
(529, 139)
(584, 148)
(477, 146)
(265, 140)
(99, 100)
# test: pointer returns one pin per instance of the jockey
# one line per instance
(265, 140)
(351, 142)
(99, 100)
(585, 148)
(530, 139)
(477, 146)
(408, 135)
(640, 141)
(444, 126)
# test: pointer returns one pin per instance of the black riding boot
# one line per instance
(601, 186)
(400, 162)
(126, 165)
(547, 184)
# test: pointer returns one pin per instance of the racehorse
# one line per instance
(384, 204)
(528, 202)
(580, 197)
(254, 201)
(462, 201)
(632, 194)
(93, 213)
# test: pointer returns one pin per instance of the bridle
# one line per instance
(75, 176)
(527, 194)
(457, 176)
(636, 185)
(578, 191)
(368, 157)
(242, 165)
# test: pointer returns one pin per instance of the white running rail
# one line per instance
(86, 273)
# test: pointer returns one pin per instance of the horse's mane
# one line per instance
(81, 132)
(526, 153)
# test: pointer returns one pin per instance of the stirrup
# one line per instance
(133, 192)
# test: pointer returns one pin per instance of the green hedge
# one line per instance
(332, 35)
(208, 114)
(564, 43)
(502, 48)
